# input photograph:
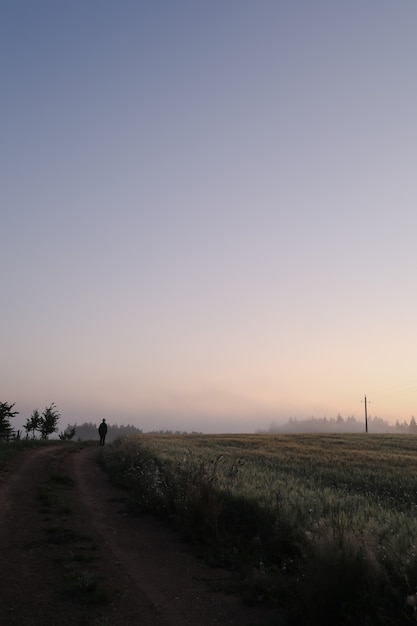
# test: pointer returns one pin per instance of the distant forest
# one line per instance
(89, 431)
(340, 425)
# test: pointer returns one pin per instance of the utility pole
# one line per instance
(366, 416)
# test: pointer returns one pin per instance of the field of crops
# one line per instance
(325, 526)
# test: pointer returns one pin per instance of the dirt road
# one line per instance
(70, 554)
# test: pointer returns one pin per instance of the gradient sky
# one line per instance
(209, 210)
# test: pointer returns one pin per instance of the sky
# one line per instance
(208, 210)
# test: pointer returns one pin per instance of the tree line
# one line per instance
(339, 424)
(89, 431)
(44, 424)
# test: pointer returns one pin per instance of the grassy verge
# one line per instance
(9, 449)
(323, 526)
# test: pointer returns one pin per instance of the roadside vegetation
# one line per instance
(323, 527)
(45, 424)
(11, 442)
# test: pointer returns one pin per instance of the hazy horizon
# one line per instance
(204, 423)
(209, 210)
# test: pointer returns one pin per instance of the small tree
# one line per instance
(49, 421)
(69, 433)
(6, 414)
(33, 423)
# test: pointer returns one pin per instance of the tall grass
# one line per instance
(325, 526)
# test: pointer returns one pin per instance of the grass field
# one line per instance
(324, 527)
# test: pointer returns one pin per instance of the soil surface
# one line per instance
(71, 554)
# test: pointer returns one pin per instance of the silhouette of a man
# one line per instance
(102, 431)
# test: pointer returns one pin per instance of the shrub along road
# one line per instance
(70, 553)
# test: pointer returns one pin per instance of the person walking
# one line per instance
(102, 431)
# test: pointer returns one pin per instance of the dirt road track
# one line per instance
(70, 554)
